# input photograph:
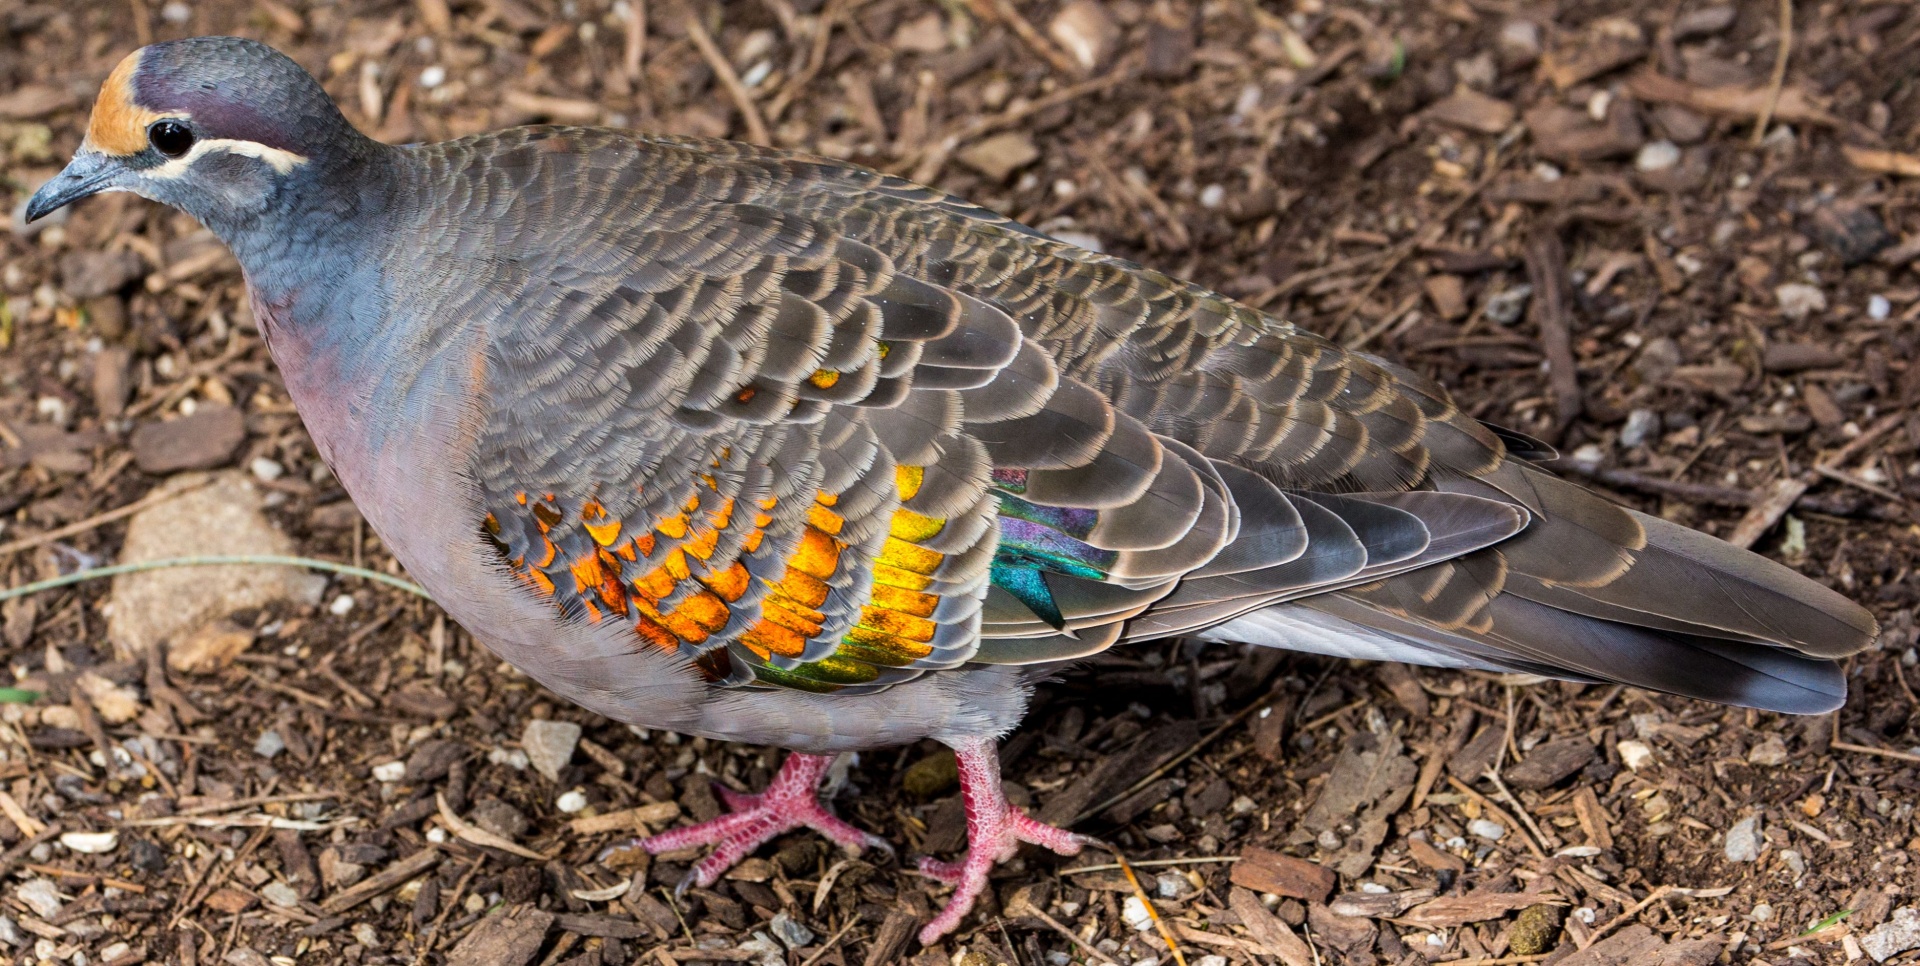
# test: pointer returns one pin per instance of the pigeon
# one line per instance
(743, 443)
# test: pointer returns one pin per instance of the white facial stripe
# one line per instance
(281, 161)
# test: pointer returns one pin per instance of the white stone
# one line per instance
(1635, 754)
(1769, 752)
(433, 76)
(1487, 829)
(790, 931)
(1135, 913)
(1799, 300)
(391, 771)
(1895, 936)
(1641, 426)
(549, 745)
(1878, 308)
(92, 843)
(341, 606)
(269, 744)
(1657, 156)
(263, 468)
(41, 896)
(1744, 841)
(218, 518)
(571, 802)
(280, 894)
(1762, 912)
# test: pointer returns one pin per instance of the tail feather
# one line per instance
(1591, 591)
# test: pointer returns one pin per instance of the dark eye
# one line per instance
(170, 138)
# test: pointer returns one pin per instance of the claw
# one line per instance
(790, 801)
(995, 830)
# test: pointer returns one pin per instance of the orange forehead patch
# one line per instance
(118, 125)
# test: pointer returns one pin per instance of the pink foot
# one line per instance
(792, 800)
(995, 830)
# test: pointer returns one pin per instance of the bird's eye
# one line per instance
(170, 138)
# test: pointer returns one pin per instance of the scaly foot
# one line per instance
(792, 800)
(995, 830)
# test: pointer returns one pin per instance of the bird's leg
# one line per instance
(791, 800)
(995, 830)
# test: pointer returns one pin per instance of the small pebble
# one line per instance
(280, 894)
(42, 896)
(269, 744)
(266, 469)
(1641, 426)
(790, 931)
(176, 12)
(1743, 840)
(391, 771)
(1878, 308)
(1769, 752)
(1799, 300)
(10, 932)
(1635, 754)
(366, 935)
(433, 77)
(1657, 156)
(436, 835)
(1212, 195)
(571, 802)
(1133, 911)
(1762, 913)
(1487, 829)
(1506, 307)
(549, 745)
(341, 605)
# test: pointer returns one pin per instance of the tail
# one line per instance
(1592, 591)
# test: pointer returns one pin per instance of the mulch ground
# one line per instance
(1621, 228)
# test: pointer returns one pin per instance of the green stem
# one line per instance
(272, 560)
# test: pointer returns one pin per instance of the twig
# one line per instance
(432, 934)
(1005, 12)
(729, 79)
(832, 941)
(1779, 79)
(98, 519)
(1547, 264)
(1501, 960)
(1626, 916)
(381, 881)
(1154, 864)
(297, 694)
(634, 59)
(1788, 490)
(1166, 935)
(1877, 752)
(1489, 804)
(1080, 944)
(20, 849)
(1172, 763)
(253, 559)
(240, 803)
(1519, 809)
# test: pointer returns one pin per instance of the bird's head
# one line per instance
(217, 127)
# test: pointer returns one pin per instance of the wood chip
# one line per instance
(1448, 912)
(1269, 931)
(387, 878)
(627, 820)
(1264, 870)
(481, 837)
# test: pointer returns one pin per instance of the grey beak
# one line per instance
(88, 174)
